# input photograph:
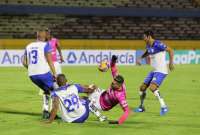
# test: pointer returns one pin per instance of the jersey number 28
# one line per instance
(71, 103)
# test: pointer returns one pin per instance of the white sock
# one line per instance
(160, 99)
(94, 110)
(45, 103)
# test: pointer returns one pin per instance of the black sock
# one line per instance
(142, 97)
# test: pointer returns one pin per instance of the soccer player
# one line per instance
(73, 109)
(156, 50)
(37, 59)
(55, 45)
(116, 94)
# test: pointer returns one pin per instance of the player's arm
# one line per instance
(124, 116)
(113, 66)
(138, 60)
(89, 88)
(126, 111)
(145, 54)
(25, 60)
(85, 88)
(171, 57)
(54, 110)
(124, 105)
(50, 62)
(59, 51)
(47, 51)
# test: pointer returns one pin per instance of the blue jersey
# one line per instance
(157, 53)
(157, 47)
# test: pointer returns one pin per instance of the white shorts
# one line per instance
(95, 98)
(57, 67)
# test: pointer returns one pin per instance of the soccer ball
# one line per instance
(103, 66)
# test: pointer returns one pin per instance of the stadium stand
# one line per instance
(182, 4)
(116, 21)
(90, 27)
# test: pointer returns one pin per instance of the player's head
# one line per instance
(48, 33)
(148, 36)
(117, 82)
(41, 35)
(61, 80)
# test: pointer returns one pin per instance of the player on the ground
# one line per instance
(37, 59)
(55, 45)
(116, 94)
(66, 99)
(156, 50)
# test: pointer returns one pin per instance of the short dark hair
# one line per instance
(61, 79)
(119, 79)
(149, 33)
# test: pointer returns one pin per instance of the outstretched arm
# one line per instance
(145, 54)
(85, 88)
(54, 109)
(124, 105)
(89, 88)
(113, 66)
(124, 116)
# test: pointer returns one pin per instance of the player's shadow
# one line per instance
(20, 112)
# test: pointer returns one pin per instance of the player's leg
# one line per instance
(38, 81)
(155, 83)
(142, 92)
(94, 105)
(46, 105)
(47, 86)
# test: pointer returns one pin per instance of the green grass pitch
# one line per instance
(20, 104)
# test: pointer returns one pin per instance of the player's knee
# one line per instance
(153, 87)
(143, 87)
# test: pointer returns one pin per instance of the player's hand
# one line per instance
(171, 66)
(138, 61)
(54, 78)
(114, 59)
(113, 122)
(61, 60)
(92, 88)
(47, 122)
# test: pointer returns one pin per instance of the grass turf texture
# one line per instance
(20, 104)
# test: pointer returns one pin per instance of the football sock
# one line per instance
(142, 97)
(94, 110)
(160, 99)
(45, 103)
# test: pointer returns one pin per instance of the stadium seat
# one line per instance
(23, 26)
(188, 4)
